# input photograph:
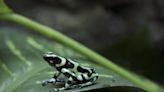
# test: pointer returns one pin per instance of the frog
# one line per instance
(75, 74)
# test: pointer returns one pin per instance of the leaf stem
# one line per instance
(57, 36)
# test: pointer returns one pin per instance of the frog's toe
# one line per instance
(44, 83)
(55, 89)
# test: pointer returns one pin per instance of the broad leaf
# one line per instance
(22, 68)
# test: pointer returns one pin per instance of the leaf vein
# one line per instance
(17, 52)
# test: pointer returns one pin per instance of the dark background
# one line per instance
(128, 32)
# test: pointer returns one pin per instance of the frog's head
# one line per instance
(51, 58)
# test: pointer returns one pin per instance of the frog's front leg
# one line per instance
(53, 80)
(68, 85)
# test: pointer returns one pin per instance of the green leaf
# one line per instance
(22, 68)
(4, 8)
(76, 46)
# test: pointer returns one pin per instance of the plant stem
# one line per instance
(57, 36)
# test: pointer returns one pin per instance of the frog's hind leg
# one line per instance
(90, 82)
(85, 84)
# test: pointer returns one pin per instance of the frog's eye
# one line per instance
(57, 60)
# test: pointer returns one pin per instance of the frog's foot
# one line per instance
(50, 81)
(85, 84)
(55, 89)
(81, 85)
(59, 89)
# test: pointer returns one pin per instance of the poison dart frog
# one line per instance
(75, 74)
